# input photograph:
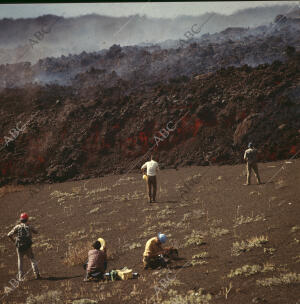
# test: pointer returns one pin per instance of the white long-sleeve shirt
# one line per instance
(152, 167)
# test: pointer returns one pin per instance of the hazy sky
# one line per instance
(169, 9)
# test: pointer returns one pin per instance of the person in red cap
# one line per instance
(23, 241)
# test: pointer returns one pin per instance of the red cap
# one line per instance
(24, 216)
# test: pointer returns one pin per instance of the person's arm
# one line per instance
(11, 234)
(157, 253)
(162, 250)
(149, 249)
(88, 262)
(153, 250)
(245, 156)
(144, 167)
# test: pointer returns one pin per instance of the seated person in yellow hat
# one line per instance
(103, 249)
(96, 267)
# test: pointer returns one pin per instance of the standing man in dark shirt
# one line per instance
(23, 241)
(250, 157)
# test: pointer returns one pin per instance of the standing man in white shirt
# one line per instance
(151, 167)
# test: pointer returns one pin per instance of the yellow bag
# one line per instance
(145, 177)
(125, 273)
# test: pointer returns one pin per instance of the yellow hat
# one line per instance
(102, 242)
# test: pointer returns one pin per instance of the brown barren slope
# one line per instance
(218, 208)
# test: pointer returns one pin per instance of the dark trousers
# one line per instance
(152, 187)
(250, 167)
(94, 274)
(154, 262)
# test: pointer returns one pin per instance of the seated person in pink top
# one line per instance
(96, 264)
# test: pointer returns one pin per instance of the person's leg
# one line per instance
(150, 262)
(248, 167)
(154, 188)
(86, 276)
(149, 189)
(255, 169)
(85, 265)
(153, 262)
(99, 275)
(162, 262)
(34, 266)
(156, 261)
(95, 275)
(20, 264)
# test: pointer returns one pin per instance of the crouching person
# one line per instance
(96, 264)
(23, 242)
(153, 254)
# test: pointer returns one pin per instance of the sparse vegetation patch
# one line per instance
(295, 229)
(53, 297)
(196, 238)
(198, 259)
(244, 246)
(283, 279)
(248, 270)
(248, 219)
(192, 297)
(217, 232)
(77, 253)
(135, 245)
